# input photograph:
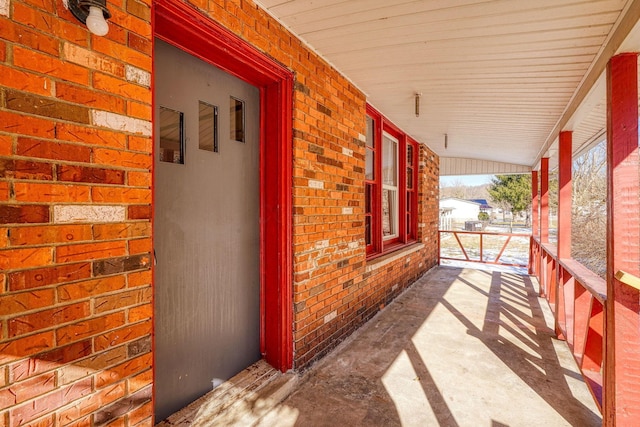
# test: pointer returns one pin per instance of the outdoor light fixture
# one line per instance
(94, 13)
(417, 105)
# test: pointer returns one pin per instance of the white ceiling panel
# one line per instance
(498, 77)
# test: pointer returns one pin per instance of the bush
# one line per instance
(483, 216)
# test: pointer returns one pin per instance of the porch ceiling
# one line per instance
(501, 78)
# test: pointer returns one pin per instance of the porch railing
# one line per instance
(474, 248)
(577, 298)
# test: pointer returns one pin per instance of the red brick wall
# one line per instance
(75, 207)
(75, 232)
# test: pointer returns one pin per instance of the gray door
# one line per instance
(207, 296)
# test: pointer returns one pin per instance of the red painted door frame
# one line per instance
(181, 25)
(622, 332)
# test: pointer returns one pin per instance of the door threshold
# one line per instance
(242, 400)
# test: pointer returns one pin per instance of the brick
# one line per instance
(92, 175)
(50, 402)
(139, 212)
(29, 389)
(140, 246)
(38, 192)
(13, 259)
(137, 76)
(139, 179)
(48, 318)
(79, 95)
(120, 265)
(86, 213)
(121, 122)
(141, 346)
(143, 413)
(25, 125)
(122, 159)
(25, 301)
(39, 235)
(124, 335)
(139, 110)
(139, 9)
(75, 133)
(90, 288)
(123, 88)
(105, 359)
(91, 404)
(122, 406)
(50, 360)
(89, 251)
(140, 143)
(53, 150)
(88, 328)
(92, 60)
(23, 169)
(120, 195)
(121, 231)
(142, 312)
(27, 346)
(139, 278)
(25, 81)
(126, 369)
(47, 107)
(122, 300)
(6, 145)
(31, 60)
(116, 50)
(140, 44)
(19, 214)
(5, 191)
(3, 50)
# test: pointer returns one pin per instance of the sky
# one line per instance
(468, 180)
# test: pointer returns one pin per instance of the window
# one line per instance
(390, 186)
(208, 127)
(171, 136)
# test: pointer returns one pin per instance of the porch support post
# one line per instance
(535, 214)
(535, 222)
(564, 195)
(544, 200)
(622, 321)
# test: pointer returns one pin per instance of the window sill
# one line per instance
(380, 260)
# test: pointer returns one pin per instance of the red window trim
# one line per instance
(407, 233)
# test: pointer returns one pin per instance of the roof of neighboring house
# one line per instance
(481, 202)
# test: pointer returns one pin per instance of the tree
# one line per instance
(513, 191)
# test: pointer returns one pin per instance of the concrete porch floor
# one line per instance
(461, 347)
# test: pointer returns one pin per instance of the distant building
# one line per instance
(453, 209)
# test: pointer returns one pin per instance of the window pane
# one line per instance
(371, 139)
(389, 161)
(171, 136)
(409, 154)
(370, 161)
(367, 230)
(409, 178)
(367, 198)
(389, 213)
(236, 110)
(208, 123)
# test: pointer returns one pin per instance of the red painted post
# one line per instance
(622, 321)
(535, 222)
(535, 214)
(564, 226)
(564, 195)
(544, 200)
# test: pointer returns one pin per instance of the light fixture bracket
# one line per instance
(80, 8)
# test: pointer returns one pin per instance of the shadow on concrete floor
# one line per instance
(461, 347)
